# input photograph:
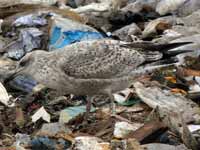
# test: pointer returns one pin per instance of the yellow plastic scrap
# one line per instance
(177, 90)
(171, 79)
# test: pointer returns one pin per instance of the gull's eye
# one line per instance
(24, 61)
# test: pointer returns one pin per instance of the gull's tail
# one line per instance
(158, 53)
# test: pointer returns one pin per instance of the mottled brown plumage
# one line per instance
(89, 68)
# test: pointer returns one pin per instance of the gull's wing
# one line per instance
(102, 59)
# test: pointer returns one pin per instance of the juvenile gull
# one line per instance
(98, 67)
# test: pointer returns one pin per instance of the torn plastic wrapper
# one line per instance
(31, 20)
(65, 31)
(11, 25)
(41, 2)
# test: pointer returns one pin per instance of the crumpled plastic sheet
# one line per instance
(29, 39)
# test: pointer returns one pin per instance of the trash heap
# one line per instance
(160, 110)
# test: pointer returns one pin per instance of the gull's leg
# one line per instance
(88, 107)
(174, 18)
(112, 103)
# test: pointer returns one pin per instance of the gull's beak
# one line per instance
(19, 80)
(22, 82)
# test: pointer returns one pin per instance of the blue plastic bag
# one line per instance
(65, 32)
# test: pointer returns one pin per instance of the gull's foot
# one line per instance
(85, 120)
